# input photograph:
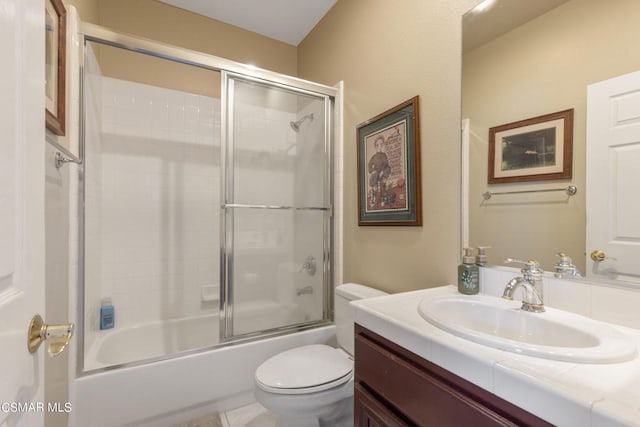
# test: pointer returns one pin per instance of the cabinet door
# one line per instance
(370, 412)
(401, 388)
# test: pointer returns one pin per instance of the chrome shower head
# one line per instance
(296, 125)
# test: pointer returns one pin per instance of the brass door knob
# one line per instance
(58, 336)
(599, 256)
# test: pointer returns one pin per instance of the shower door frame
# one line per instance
(228, 203)
(332, 96)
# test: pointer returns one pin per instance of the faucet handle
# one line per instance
(530, 266)
(565, 266)
(530, 263)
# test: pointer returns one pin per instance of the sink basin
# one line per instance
(554, 334)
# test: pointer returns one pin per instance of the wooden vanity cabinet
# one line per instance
(394, 387)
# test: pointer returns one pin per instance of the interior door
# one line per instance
(21, 208)
(613, 174)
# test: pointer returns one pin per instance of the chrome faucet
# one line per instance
(305, 290)
(564, 267)
(531, 282)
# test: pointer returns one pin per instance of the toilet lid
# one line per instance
(304, 369)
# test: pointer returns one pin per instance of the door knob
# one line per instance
(58, 336)
(599, 256)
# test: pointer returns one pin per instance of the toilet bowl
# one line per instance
(313, 385)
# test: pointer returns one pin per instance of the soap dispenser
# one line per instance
(481, 257)
(468, 274)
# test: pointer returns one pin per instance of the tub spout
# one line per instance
(305, 290)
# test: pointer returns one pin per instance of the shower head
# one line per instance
(296, 125)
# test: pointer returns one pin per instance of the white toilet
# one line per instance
(313, 385)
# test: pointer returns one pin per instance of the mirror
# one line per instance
(520, 63)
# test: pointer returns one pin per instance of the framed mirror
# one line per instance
(524, 59)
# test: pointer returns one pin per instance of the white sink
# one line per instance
(554, 334)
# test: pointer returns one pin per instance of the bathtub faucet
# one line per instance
(305, 290)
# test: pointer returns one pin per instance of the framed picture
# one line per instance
(55, 55)
(389, 167)
(534, 149)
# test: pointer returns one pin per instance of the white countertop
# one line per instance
(563, 393)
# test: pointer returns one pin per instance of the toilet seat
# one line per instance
(306, 369)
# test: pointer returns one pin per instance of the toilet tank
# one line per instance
(344, 312)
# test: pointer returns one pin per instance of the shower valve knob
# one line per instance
(310, 265)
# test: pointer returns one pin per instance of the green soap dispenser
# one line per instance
(468, 273)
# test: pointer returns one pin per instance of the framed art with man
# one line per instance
(389, 168)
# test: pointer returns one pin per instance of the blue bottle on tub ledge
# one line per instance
(107, 314)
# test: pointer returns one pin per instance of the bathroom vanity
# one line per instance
(411, 372)
(395, 387)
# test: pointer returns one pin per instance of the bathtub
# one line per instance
(160, 338)
(175, 390)
(152, 340)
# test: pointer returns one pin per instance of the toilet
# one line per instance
(312, 385)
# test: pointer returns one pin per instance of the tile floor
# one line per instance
(253, 415)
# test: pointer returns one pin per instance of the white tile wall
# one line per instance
(157, 187)
(92, 211)
(152, 203)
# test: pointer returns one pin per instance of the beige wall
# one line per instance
(540, 68)
(160, 22)
(87, 9)
(387, 52)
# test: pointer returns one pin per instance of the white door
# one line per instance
(21, 208)
(613, 178)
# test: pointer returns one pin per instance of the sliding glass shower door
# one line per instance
(205, 203)
(276, 207)
(151, 206)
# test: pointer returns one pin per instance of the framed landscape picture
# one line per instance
(534, 149)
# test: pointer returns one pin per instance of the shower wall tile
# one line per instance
(158, 194)
(95, 115)
(155, 203)
(144, 111)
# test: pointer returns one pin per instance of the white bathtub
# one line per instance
(157, 339)
(151, 340)
(174, 390)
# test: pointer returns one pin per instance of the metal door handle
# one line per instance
(599, 256)
(58, 336)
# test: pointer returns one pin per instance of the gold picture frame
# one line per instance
(55, 66)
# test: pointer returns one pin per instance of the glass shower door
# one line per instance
(277, 208)
(151, 206)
